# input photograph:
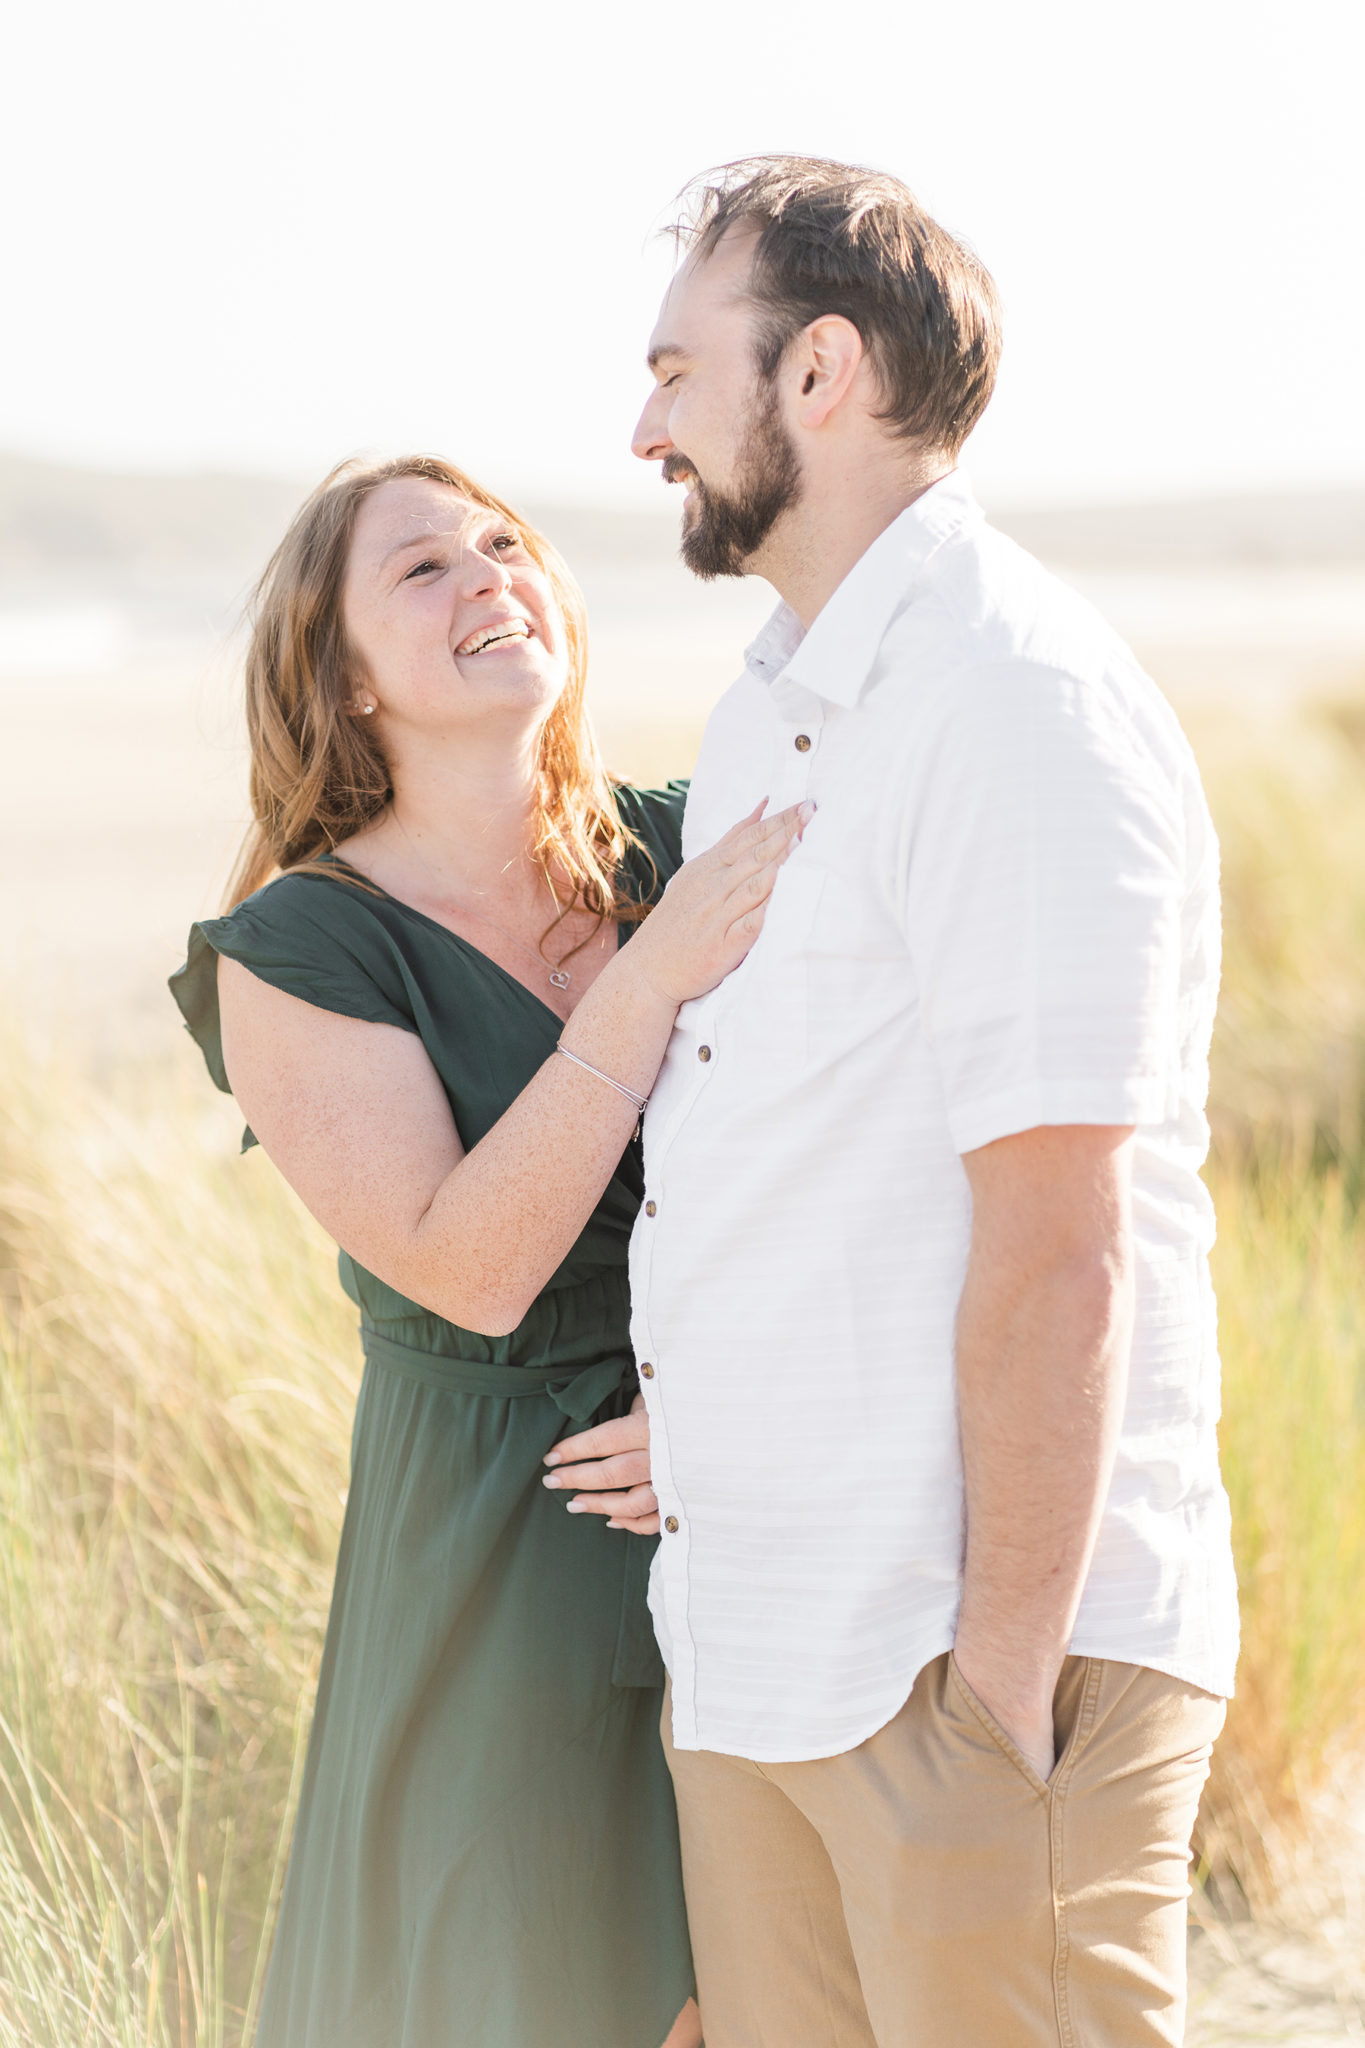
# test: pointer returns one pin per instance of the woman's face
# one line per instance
(455, 624)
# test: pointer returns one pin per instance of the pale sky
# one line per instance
(265, 234)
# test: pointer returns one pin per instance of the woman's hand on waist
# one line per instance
(606, 1470)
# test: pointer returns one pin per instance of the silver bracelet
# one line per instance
(619, 1086)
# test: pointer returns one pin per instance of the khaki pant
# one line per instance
(928, 1890)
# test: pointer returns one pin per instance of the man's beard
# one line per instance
(723, 530)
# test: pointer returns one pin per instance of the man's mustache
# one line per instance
(678, 470)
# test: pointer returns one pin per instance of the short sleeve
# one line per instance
(1043, 886)
(303, 934)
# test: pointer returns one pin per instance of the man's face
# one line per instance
(712, 421)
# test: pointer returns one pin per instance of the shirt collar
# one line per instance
(835, 657)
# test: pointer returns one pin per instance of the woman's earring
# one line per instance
(365, 709)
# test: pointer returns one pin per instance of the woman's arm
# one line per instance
(355, 1118)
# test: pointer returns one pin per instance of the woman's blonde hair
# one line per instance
(318, 775)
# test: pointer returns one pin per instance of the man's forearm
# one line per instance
(1042, 1348)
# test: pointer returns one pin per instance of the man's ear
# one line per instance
(825, 359)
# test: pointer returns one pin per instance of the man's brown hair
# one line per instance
(835, 238)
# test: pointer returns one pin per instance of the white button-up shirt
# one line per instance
(1004, 914)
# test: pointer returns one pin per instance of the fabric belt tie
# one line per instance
(576, 1394)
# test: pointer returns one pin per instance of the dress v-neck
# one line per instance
(335, 860)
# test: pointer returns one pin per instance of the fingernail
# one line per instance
(616, 1525)
(550, 1458)
(551, 1480)
(806, 811)
(575, 1507)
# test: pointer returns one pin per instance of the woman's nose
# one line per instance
(483, 574)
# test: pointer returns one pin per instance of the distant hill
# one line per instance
(1321, 529)
(1317, 529)
(135, 533)
(152, 534)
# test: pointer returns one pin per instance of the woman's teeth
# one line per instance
(488, 636)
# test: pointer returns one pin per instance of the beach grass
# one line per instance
(1290, 1273)
(176, 1379)
(178, 1367)
(1288, 796)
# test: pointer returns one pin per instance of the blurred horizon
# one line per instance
(658, 499)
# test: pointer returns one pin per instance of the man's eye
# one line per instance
(669, 382)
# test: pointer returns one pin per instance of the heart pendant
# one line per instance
(558, 978)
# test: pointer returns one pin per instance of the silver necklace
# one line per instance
(560, 977)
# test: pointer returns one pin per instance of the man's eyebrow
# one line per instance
(666, 352)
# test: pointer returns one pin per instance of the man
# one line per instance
(921, 1300)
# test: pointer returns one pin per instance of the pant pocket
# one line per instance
(991, 1727)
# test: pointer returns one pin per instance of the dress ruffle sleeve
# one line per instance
(311, 936)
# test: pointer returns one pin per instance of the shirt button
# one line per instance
(646, 1371)
(671, 1524)
(703, 1053)
(651, 1208)
(803, 743)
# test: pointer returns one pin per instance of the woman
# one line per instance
(485, 1852)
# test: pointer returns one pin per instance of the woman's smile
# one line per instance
(497, 633)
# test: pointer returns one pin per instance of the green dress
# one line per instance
(486, 1848)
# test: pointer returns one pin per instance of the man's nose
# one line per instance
(650, 441)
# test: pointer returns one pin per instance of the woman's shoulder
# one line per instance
(322, 898)
(312, 935)
(327, 915)
(315, 928)
(655, 818)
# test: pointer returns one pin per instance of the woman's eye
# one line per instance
(503, 540)
(669, 382)
(421, 569)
